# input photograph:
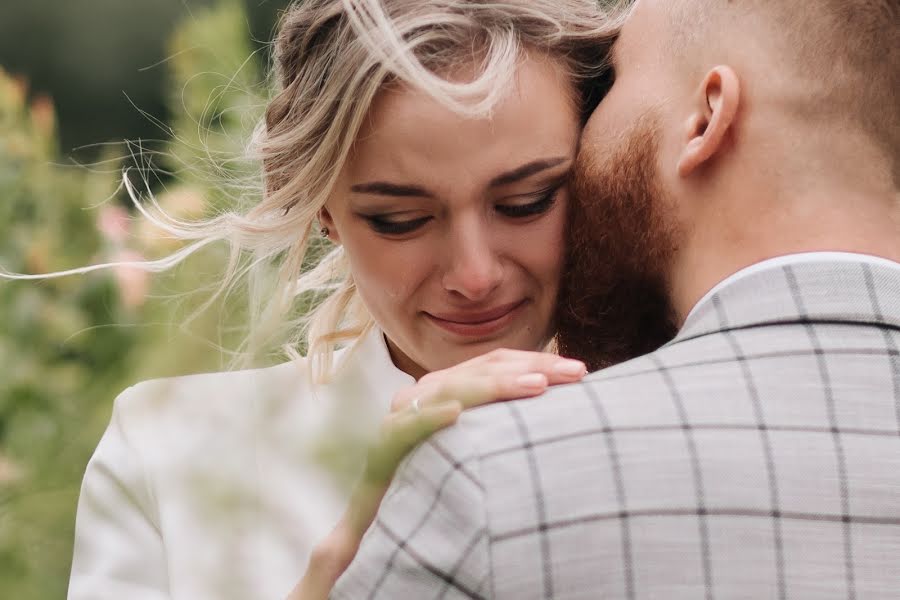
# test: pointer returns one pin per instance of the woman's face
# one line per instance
(454, 226)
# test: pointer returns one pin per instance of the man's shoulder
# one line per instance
(561, 411)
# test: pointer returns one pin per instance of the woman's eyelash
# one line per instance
(387, 227)
(539, 206)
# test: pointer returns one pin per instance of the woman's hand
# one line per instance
(433, 403)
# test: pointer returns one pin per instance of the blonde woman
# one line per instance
(430, 141)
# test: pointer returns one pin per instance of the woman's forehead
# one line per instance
(409, 133)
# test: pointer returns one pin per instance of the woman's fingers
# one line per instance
(518, 373)
(476, 387)
(483, 389)
(556, 368)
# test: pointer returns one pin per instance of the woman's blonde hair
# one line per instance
(332, 57)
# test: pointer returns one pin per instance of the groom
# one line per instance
(740, 180)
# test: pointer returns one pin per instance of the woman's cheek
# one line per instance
(390, 270)
(544, 253)
(558, 241)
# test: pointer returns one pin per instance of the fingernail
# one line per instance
(532, 380)
(570, 368)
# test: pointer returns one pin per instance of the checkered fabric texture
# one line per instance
(756, 456)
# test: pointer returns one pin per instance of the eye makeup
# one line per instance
(384, 225)
(392, 224)
(538, 207)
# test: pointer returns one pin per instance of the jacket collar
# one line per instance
(823, 291)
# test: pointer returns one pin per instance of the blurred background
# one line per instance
(170, 89)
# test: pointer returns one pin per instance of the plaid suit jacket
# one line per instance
(755, 456)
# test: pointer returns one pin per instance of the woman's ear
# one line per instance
(328, 229)
(717, 102)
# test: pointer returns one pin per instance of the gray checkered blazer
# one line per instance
(756, 456)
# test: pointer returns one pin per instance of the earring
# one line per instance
(324, 232)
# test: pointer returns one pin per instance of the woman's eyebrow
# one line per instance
(384, 188)
(527, 170)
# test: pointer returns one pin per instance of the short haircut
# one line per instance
(846, 51)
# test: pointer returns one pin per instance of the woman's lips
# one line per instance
(477, 324)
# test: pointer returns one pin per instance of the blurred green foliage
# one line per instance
(99, 59)
(68, 346)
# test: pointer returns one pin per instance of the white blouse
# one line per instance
(218, 486)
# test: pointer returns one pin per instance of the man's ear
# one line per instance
(327, 223)
(717, 101)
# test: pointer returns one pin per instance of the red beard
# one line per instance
(614, 303)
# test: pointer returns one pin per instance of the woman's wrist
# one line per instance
(332, 556)
(329, 559)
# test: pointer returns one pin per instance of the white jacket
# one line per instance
(217, 486)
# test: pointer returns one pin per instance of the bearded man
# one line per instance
(737, 188)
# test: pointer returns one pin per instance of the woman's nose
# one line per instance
(474, 270)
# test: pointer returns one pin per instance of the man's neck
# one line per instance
(715, 251)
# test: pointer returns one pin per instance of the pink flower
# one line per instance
(113, 224)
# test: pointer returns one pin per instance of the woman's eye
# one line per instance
(386, 226)
(540, 206)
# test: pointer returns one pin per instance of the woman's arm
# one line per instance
(434, 403)
(118, 549)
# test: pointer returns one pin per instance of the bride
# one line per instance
(430, 141)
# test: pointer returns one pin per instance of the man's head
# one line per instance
(734, 131)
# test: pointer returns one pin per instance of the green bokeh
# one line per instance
(104, 62)
(68, 346)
